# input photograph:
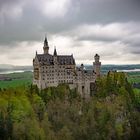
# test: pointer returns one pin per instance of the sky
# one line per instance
(83, 28)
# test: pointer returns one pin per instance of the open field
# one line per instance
(134, 77)
(16, 79)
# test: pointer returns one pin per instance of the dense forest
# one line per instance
(58, 113)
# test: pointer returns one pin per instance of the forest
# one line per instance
(59, 113)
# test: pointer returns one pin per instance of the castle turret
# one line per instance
(55, 52)
(55, 56)
(46, 46)
(82, 67)
(56, 67)
(97, 65)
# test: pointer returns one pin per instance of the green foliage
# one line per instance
(133, 77)
(113, 84)
(59, 113)
(137, 98)
(38, 106)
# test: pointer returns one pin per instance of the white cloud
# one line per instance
(21, 54)
(111, 52)
(110, 41)
(54, 8)
(112, 31)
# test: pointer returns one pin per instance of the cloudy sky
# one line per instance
(110, 28)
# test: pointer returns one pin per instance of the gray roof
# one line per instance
(85, 70)
(47, 59)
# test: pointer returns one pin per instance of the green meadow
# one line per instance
(17, 79)
(133, 77)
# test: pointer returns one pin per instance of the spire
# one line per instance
(46, 46)
(46, 42)
(55, 52)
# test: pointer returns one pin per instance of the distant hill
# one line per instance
(105, 68)
(7, 67)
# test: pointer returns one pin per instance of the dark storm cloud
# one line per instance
(105, 11)
(97, 38)
(30, 20)
(33, 23)
(11, 2)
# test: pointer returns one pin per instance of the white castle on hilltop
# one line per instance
(51, 70)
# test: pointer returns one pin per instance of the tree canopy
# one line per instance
(59, 113)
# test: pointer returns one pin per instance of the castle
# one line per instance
(51, 70)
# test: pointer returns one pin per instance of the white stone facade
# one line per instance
(51, 70)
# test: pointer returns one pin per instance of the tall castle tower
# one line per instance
(46, 46)
(97, 65)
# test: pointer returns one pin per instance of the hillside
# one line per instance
(7, 67)
(61, 114)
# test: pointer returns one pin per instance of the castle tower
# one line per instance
(97, 65)
(46, 46)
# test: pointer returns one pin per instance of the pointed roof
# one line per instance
(47, 59)
(55, 52)
(46, 42)
(96, 55)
